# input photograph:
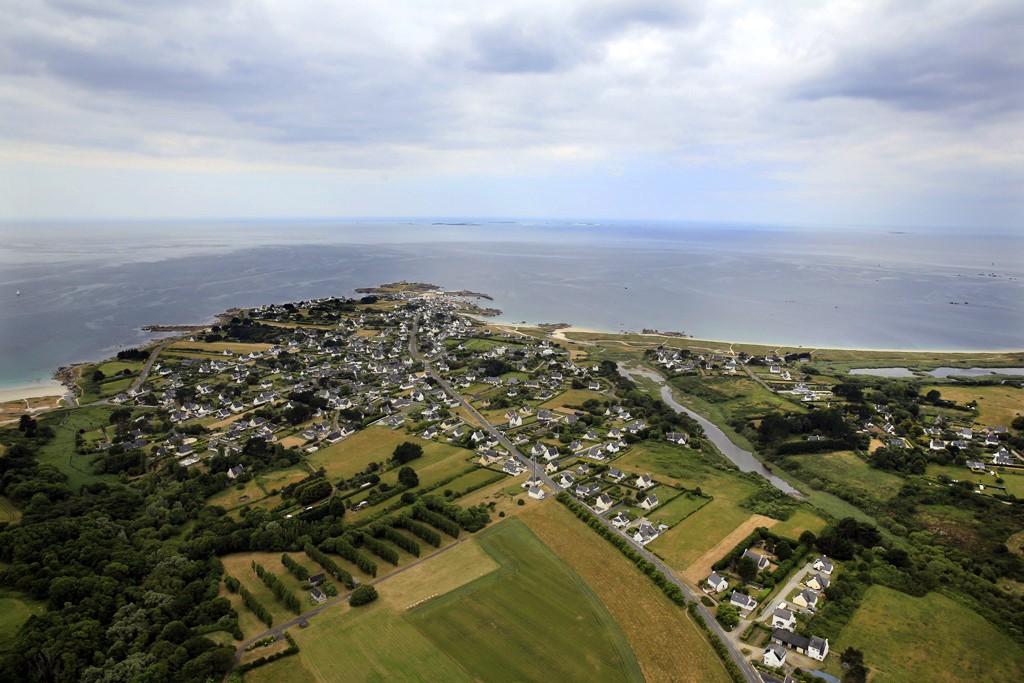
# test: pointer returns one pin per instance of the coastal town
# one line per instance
(409, 417)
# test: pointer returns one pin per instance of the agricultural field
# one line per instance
(8, 513)
(345, 639)
(699, 569)
(14, 612)
(957, 645)
(846, 468)
(668, 646)
(532, 619)
(239, 565)
(375, 444)
(111, 368)
(997, 405)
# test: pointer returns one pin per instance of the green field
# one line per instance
(533, 619)
(8, 513)
(846, 468)
(927, 639)
(723, 398)
(997, 405)
(677, 509)
(1012, 479)
(60, 451)
(257, 490)
(13, 613)
(801, 521)
(574, 397)
(377, 444)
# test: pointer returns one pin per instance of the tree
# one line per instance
(1018, 423)
(407, 451)
(362, 596)
(783, 550)
(407, 477)
(746, 568)
(853, 664)
(727, 615)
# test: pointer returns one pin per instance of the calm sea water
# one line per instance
(86, 289)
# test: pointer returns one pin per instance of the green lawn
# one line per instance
(60, 451)
(846, 468)
(376, 444)
(677, 509)
(1012, 480)
(801, 521)
(997, 405)
(533, 619)
(14, 612)
(927, 639)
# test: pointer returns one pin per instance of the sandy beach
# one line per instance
(51, 388)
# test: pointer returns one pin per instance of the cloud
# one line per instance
(969, 63)
(808, 99)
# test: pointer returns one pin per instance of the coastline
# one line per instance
(35, 390)
(54, 388)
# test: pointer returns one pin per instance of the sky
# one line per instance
(897, 113)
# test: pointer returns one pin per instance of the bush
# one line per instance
(363, 595)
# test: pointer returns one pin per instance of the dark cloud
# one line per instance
(976, 65)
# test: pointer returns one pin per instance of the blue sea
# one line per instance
(86, 289)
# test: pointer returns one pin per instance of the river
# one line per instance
(743, 459)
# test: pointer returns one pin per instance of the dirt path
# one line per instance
(701, 567)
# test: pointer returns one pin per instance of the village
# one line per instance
(294, 383)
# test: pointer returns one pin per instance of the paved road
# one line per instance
(780, 597)
(148, 366)
(748, 671)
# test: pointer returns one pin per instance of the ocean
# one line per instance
(79, 292)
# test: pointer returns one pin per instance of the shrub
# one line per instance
(363, 595)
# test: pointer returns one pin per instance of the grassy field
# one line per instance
(574, 397)
(60, 451)
(345, 643)
(534, 619)
(239, 565)
(956, 645)
(677, 509)
(375, 444)
(699, 568)
(702, 530)
(219, 347)
(257, 490)
(722, 398)
(997, 405)
(667, 645)
(844, 467)
(801, 521)
(1016, 543)
(1012, 479)
(8, 513)
(14, 612)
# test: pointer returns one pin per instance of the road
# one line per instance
(780, 597)
(749, 672)
(279, 630)
(148, 366)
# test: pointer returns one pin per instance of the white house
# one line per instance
(644, 481)
(774, 655)
(603, 503)
(717, 583)
(760, 560)
(784, 619)
(649, 502)
(644, 534)
(822, 564)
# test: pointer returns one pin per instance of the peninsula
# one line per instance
(263, 497)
